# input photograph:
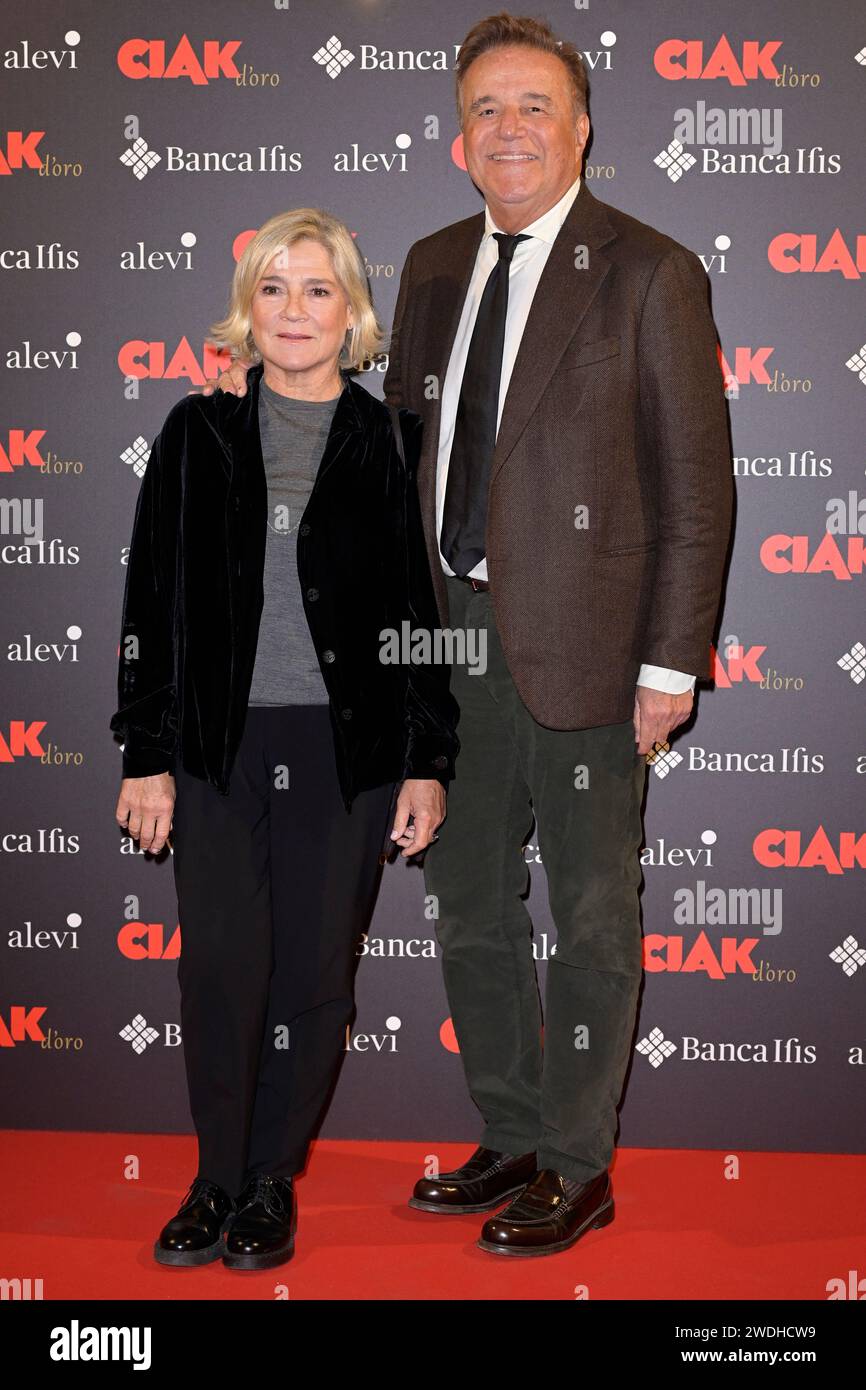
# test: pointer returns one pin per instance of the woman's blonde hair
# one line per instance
(365, 337)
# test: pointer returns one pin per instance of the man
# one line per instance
(576, 489)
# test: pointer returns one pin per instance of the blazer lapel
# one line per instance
(440, 331)
(346, 432)
(238, 423)
(559, 304)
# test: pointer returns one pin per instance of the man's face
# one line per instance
(522, 146)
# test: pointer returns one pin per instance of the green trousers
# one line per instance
(556, 1094)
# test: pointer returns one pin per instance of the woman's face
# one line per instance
(300, 313)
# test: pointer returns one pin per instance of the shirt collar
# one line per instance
(548, 224)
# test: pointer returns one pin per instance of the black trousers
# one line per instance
(275, 884)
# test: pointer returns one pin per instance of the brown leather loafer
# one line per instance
(543, 1218)
(485, 1180)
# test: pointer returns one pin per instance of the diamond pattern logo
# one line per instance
(656, 1047)
(857, 363)
(850, 955)
(138, 1034)
(333, 56)
(854, 662)
(675, 160)
(663, 759)
(136, 456)
(139, 158)
(860, 57)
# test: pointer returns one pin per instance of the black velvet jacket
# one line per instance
(193, 596)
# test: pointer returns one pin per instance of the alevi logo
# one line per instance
(41, 940)
(375, 1042)
(27, 59)
(27, 650)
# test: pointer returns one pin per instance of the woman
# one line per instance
(277, 537)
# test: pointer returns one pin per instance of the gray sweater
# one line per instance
(294, 434)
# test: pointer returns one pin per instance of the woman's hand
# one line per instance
(234, 380)
(144, 808)
(425, 801)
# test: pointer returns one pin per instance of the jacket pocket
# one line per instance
(582, 354)
(628, 549)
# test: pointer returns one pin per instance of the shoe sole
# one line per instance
(191, 1258)
(442, 1210)
(273, 1257)
(239, 1260)
(602, 1217)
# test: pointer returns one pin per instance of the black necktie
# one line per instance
(464, 519)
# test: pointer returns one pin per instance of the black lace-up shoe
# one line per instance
(485, 1180)
(195, 1235)
(550, 1214)
(263, 1231)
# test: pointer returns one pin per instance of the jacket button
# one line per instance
(328, 656)
(346, 713)
(312, 595)
(304, 530)
(441, 761)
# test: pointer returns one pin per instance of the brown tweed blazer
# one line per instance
(616, 404)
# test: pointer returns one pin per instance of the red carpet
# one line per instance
(786, 1226)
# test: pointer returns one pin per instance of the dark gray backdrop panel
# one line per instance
(399, 1080)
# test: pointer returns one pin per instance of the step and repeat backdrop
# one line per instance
(140, 145)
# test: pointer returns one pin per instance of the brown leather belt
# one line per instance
(479, 585)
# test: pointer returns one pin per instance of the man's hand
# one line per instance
(425, 800)
(656, 714)
(144, 808)
(234, 380)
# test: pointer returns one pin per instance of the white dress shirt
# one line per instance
(527, 264)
